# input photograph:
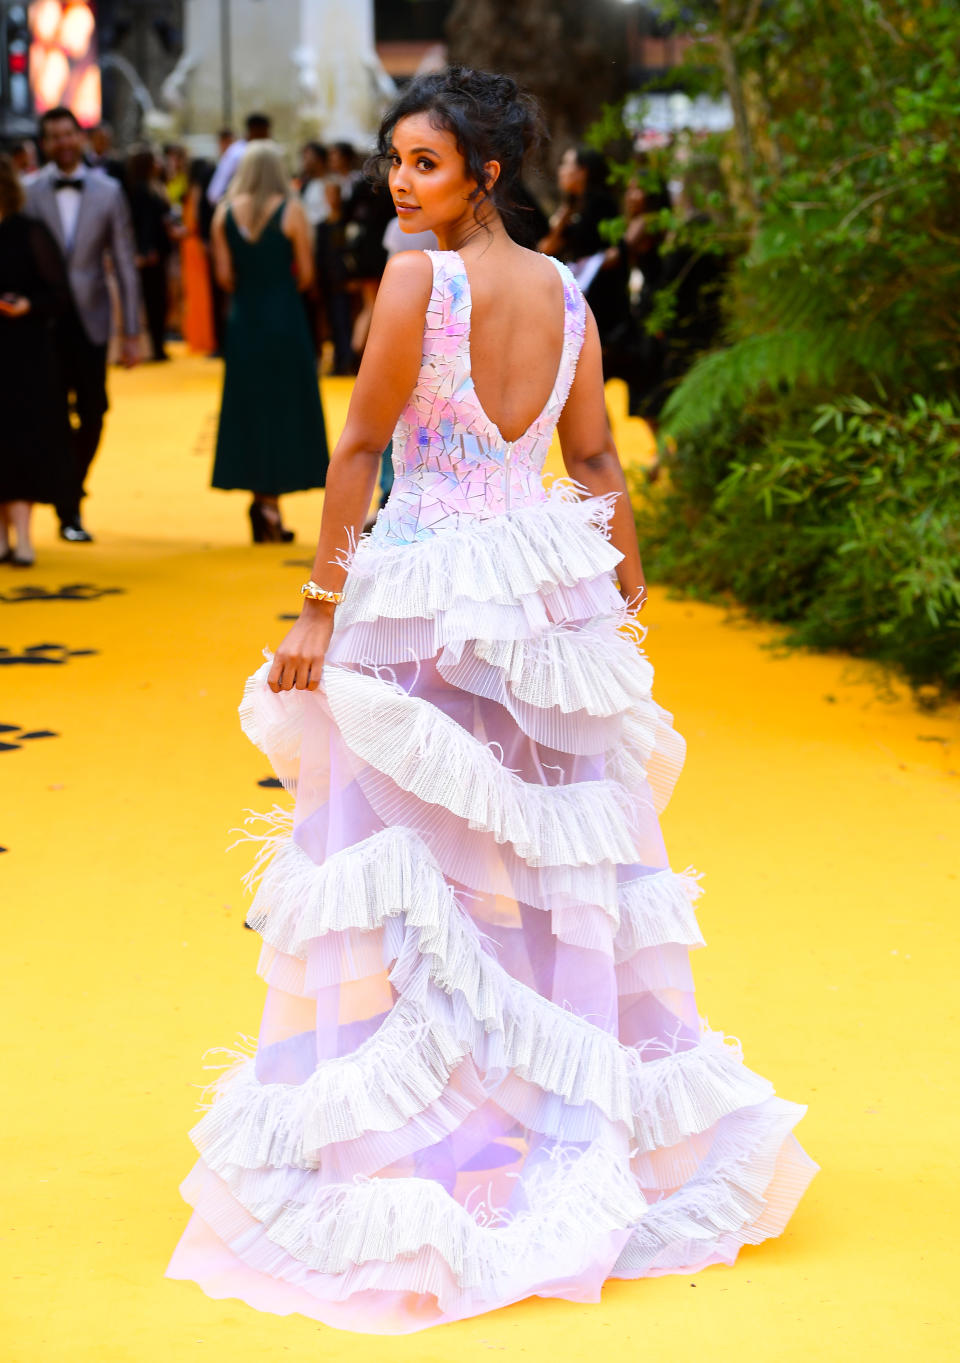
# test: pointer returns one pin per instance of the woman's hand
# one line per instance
(635, 598)
(14, 305)
(298, 662)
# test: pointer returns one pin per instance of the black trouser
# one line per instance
(340, 313)
(153, 286)
(84, 368)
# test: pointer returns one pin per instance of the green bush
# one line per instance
(804, 473)
(848, 532)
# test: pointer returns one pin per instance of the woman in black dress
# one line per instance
(574, 235)
(33, 293)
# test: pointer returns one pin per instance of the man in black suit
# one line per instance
(87, 213)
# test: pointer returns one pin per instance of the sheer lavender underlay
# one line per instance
(480, 1073)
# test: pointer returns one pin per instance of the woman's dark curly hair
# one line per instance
(595, 164)
(491, 118)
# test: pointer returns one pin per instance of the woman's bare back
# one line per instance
(242, 208)
(516, 333)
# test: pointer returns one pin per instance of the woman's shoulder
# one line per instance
(292, 212)
(546, 264)
(533, 269)
(407, 285)
(410, 270)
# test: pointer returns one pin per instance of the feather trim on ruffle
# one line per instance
(388, 640)
(645, 747)
(573, 1198)
(393, 873)
(568, 688)
(429, 755)
(744, 1191)
(558, 542)
(655, 909)
(750, 1181)
(455, 999)
(387, 1219)
(593, 668)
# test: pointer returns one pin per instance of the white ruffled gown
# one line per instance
(480, 1074)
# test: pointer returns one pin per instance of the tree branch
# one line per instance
(731, 77)
(749, 19)
(870, 200)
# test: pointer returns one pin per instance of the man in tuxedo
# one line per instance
(87, 213)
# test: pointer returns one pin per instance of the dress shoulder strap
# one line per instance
(448, 311)
(273, 220)
(574, 330)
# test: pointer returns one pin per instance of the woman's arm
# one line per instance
(296, 226)
(222, 260)
(388, 373)
(590, 458)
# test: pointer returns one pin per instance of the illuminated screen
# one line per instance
(63, 57)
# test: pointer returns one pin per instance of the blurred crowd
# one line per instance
(158, 257)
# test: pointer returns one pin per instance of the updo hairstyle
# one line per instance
(490, 117)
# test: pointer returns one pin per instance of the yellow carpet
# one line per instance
(824, 812)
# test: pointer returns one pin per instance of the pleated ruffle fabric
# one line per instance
(481, 1074)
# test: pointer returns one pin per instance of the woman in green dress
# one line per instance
(271, 437)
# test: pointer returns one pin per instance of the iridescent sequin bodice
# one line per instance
(451, 464)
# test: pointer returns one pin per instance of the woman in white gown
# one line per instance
(481, 1074)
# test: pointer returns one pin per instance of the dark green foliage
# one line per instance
(806, 475)
(849, 531)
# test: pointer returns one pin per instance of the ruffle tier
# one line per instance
(481, 1075)
(530, 552)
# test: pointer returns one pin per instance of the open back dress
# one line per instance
(481, 1074)
(271, 436)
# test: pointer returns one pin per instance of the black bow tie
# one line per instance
(65, 183)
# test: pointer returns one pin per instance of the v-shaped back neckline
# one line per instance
(242, 231)
(468, 357)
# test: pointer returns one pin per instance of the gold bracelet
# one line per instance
(315, 593)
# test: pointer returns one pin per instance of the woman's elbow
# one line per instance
(600, 461)
(356, 452)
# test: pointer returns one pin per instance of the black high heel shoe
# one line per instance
(258, 524)
(266, 530)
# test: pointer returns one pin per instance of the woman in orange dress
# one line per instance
(198, 328)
